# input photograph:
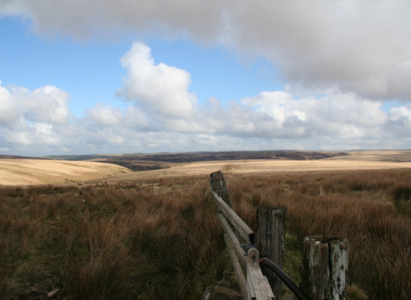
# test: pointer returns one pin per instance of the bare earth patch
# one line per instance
(33, 171)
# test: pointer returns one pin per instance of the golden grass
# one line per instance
(37, 171)
(255, 167)
(388, 156)
(31, 172)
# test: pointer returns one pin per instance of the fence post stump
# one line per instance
(271, 229)
(324, 268)
(217, 183)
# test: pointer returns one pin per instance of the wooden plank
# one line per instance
(255, 279)
(234, 241)
(239, 274)
(246, 233)
(250, 288)
(270, 237)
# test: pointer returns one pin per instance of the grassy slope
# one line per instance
(37, 171)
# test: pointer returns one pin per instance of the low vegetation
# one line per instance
(372, 209)
(126, 241)
(161, 239)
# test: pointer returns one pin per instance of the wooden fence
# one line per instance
(325, 259)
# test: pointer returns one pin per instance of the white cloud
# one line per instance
(9, 110)
(29, 117)
(135, 119)
(401, 116)
(18, 138)
(159, 89)
(104, 115)
(334, 114)
(46, 104)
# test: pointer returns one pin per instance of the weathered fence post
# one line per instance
(271, 229)
(324, 268)
(217, 183)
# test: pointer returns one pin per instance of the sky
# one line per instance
(105, 76)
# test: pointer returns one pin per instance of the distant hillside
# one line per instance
(145, 162)
(79, 157)
(236, 155)
(19, 157)
(207, 156)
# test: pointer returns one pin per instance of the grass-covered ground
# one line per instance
(161, 239)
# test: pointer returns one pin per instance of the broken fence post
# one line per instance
(324, 268)
(271, 229)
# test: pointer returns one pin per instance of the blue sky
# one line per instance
(70, 65)
(161, 76)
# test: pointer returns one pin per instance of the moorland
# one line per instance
(155, 234)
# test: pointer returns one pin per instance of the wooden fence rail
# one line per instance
(252, 282)
(325, 259)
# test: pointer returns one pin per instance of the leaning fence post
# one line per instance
(271, 228)
(324, 268)
(217, 183)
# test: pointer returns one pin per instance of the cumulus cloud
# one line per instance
(359, 46)
(29, 117)
(159, 89)
(334, 114)
(401, 117)
(9, 110)
(46, 104)
(104, 115)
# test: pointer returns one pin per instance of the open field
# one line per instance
(267, 167)
(161, 239)
(36, 171)
(18, 171)
(382, 156)
(155, 234)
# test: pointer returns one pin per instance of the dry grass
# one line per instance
(40, 171)
(256, 168)
(34, 171)
(157, 241)
(370, 208)
(161, 239)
